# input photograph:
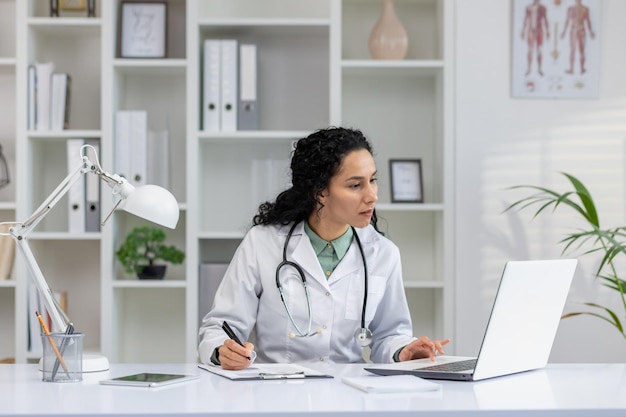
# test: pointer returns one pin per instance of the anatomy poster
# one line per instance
(556, 48)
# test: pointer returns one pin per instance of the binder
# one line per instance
(139, 147)
(92, 196)
(229, 85)
(44, 79)
(211, 80)
(247, 115)
(211, 275)
(159, 159)
(32, 97)
(60, 101)
(122, 144)
(76, 194)
(7, 252)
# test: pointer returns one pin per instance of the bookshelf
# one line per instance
(314, 71)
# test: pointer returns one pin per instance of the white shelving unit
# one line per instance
(314, 71)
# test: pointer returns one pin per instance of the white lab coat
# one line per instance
(248, 299)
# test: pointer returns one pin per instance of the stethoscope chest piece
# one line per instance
(363, 336)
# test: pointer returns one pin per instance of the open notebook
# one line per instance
(520, 332)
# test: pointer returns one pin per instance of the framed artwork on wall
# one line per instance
(143, 30)
(555, 48)
(406, 180)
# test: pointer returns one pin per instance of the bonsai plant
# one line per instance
(608, 243)
(142, 247)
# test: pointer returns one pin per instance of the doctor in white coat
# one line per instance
(340, 279)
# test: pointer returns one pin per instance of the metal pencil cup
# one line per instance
(62, 359)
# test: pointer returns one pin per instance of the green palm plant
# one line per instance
(608, 243)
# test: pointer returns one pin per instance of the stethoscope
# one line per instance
(362, 335)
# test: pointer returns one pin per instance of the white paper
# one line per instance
(391, 384)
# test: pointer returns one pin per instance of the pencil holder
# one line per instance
(62, 359)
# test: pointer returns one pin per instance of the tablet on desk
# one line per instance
(147, 379)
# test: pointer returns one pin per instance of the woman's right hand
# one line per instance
(233, 356)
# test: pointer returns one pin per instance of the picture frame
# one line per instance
(143, 29)
(406, 180)
(73, 4)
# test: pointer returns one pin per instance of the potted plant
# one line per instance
(142, 247)
(609, 244)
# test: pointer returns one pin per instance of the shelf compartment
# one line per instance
(234, 180)
(287, 55)
(427, 312)
(7, 29)
(421, 20)
(141, 317)
(266, 9)
(7, 319)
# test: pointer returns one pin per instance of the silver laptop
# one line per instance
(520, 332)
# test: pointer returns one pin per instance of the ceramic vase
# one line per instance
(388, 39)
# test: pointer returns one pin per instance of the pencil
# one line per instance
(51, 340)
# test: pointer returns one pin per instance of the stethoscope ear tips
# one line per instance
(363, 336)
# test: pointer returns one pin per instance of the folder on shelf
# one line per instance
(211, 91)
(7, 252)
(229, 95)
(139, 147)
(211, 275)
(43, 90)
(159, 158)
(76, 194)
(247, 116)
(32, 97)
(92, 196)
(122, 143)
(60, 101)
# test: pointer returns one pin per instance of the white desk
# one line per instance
(559, 390)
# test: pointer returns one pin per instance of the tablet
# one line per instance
(147, 379)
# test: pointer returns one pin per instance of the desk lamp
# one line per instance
(149, 202)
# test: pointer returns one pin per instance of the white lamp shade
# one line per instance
(153, 203)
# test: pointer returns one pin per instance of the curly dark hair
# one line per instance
(315, 160)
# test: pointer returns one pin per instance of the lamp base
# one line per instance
(91, 363)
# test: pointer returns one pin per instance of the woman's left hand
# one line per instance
(423, 348)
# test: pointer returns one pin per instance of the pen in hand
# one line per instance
(234, 337)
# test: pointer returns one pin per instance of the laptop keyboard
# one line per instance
(452, 366)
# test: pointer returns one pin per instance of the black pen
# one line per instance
(234, 337)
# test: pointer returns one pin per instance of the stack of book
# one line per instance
(48, 98)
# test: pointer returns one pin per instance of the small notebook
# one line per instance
(266, 371)
(391, 384)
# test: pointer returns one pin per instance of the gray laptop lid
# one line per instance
(525, 317)
(521, 329)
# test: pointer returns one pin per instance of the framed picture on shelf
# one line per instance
(143, 30)
(406, 180)
(73, 4)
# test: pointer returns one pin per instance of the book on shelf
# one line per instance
(43, 92)
(32, 97)
(7, 252)
(60, 101)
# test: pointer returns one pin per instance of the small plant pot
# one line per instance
(152, 272)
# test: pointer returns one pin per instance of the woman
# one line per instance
(324, 226)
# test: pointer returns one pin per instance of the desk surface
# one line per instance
(559, 390)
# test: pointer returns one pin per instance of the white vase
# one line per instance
(388, 39)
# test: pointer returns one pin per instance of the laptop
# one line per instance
(520, 332)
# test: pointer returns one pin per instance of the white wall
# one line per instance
(501, 141)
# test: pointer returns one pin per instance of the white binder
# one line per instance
(229, 95)
(122, 143)
(76, 194)
(211, 80)
(247, 115)
(32, 97)
(59, 101)
(44, 91)
(139, 147)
